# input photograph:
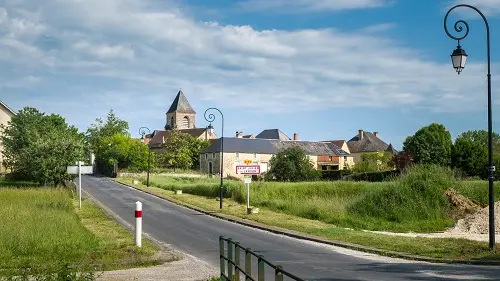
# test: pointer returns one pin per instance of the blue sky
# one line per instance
(319, 68)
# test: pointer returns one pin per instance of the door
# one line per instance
(210, 168)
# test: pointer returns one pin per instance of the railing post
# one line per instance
(248, 264)
(230, 258)
(278, 273)
(237, 260)
(222, 261)
(260, 266)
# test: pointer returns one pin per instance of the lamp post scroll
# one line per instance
(142, 132)
(458, 58)
(210, 117)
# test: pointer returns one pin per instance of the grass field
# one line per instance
(414, 202)
(43, 228)
(430, 247)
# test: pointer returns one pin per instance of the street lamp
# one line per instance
(458, 59)
(142, 132)
(210, 118)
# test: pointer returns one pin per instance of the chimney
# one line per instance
(361, 134)
(376, 134)
(239, 134)
(295, 136)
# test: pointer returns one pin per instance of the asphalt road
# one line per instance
(198, 235)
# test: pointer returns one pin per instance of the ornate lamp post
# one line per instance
(458, 59)
(210, 118)
(142, 132)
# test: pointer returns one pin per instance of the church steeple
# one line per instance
(180, 115)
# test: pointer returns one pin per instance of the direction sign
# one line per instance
(248, 169)
(84, 170)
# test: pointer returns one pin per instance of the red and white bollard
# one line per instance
(138, 223)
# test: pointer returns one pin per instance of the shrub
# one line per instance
(373, 176)
(417, 196)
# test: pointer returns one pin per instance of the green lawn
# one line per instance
(43, 228)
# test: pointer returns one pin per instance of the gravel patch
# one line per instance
(187, 268)
(477, 223)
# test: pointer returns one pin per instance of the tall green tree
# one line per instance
(470, 152)
(126, 152)
(373, 162)
(430, 145)
(292, 165)
(39, 147)
(182, 151)
(100, 129)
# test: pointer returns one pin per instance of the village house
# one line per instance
(6, 114)
(259, 150)
(365, 142)
(180, 117)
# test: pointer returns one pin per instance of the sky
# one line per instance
(321, 68)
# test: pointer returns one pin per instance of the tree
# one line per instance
(182, 151)
(470, 152)
(430, 145)
(402, 161)
(373, 162)
(39, 147)
(292, 164)
(126, 152)
(101, 129)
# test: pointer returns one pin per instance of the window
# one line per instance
(210, 168)
(172, 122)
(345, 158)
(185, 122)
(330, 158)
(213, 155)
(206, 155)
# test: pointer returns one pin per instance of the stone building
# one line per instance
(181, 117)
(259, 150)
(6, 114)
(365, 142)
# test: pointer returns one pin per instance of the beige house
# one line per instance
(6, 114)
(365, 142)
(258, 150)
(346, 162)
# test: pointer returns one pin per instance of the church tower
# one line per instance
(180, 115)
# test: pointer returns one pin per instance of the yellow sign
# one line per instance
(248, 162)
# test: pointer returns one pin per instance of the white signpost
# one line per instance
(79, 170)
(247, 171)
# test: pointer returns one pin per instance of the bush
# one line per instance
(417, 196)
(333, 175)
(373, 176)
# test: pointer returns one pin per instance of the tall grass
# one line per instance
(414, 201)
(41, 230)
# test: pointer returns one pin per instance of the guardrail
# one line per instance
(235, 271)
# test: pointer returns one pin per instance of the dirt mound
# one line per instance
(478, 222)
(461, 205)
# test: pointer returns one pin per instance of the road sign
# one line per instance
(247, 179)
(248, 162)
(248, 169)
(85, 170)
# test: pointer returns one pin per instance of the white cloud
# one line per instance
(311, 5)
(151, 51)
(487, 7)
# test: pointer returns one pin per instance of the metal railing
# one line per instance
(235, 270)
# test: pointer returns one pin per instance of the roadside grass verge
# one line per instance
(43, 229)
(412, 202)
(444, 248)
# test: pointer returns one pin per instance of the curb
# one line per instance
(302, 236)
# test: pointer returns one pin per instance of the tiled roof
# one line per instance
(272, 134)
(181, 104)
(158, 135)
(7, 107)
(272, 146)
(369, 143)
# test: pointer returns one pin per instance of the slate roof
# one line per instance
(391, 149)
(272, 134)
(157, 138)
(338, 143)
(369, 143)
(7, 107)
(181, 104)
(272, 146)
